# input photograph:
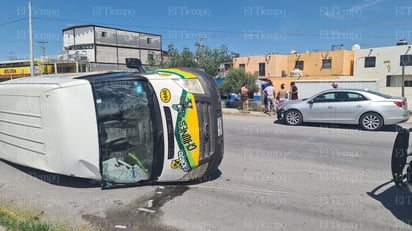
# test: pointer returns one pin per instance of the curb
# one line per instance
(233, 111)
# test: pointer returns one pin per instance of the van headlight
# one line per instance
(190, 85)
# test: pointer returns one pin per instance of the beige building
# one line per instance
(331, 64)
(264, 66)
(317, 65)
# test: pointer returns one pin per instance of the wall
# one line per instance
(308, 88)
(110, 45)
(274, 64)
(342, 61)
(78, 35)
(387, 64)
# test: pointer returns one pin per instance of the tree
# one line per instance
(187, 58)
(176, 59)
(234, 80)
(204, 57)
(173, 57)
(210, 59)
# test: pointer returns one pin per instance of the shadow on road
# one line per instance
(397, 200)
(76, 182)
(387, 128)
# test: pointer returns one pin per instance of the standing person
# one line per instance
(244, 94)
(270, 92)
(265, 97)
(293, 91)
(282, 94)
(334, 85)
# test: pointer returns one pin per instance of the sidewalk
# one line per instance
(235, 111)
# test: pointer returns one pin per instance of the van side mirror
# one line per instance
(134, 63)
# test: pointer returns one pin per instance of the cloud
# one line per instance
(339, 12)
(366, 4)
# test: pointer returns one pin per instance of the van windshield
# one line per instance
(126, 132)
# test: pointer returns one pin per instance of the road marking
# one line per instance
(246, 190)
(146, 210)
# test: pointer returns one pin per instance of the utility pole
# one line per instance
(199, 44)
(403, 80)
(200, 47)
(31, 42)
(43, 47)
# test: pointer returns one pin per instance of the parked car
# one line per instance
(370, 109)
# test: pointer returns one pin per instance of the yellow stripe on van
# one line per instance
(176, 71)
(187, 130)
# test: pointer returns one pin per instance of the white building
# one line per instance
(384, 65)
(107, 48)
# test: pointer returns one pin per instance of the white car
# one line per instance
(370, 109)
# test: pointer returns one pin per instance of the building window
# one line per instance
(408, 83)
(104, 33)
(299, 65)
(326, 63)
(242, 65)
(262, 71)
(370, 61)
(149, 40)
(396, 81)
(150, 57)
(406, 60)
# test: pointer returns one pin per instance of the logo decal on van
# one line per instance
(187, 131)
(165, 95)
(183, 161)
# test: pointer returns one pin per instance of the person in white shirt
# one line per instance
(270, 93)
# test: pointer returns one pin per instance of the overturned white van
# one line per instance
(122, 128)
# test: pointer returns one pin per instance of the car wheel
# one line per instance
(371, 121)
(293, 117)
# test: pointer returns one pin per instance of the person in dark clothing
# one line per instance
(293, 91)
(265, 97)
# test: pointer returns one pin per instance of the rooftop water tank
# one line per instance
(401, 42)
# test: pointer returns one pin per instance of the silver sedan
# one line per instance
(369, 109)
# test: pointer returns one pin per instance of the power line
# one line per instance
(11, 22)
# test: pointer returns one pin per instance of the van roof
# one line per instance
(65, 78)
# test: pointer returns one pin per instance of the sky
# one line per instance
(247, 27)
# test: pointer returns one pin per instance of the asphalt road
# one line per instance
(273, 177)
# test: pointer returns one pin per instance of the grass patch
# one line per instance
(18, 219)
(13, 220)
